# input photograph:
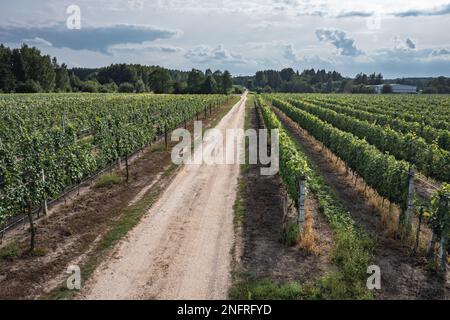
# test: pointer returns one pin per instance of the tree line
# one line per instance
(438, 85)
(139, 78)
(288, 80)
(322, 81)
(25, 69)
(309, 81)
(426, 85)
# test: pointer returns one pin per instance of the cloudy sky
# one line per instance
(395, 37)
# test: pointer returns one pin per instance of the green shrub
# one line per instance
(90, 86)
(40, 252)
(10, 251)
(29, 86)
(352, 253)
(289, 234)
(267, 290)
(126, 87)
(108, 87)
(334, 286)
(108, 180)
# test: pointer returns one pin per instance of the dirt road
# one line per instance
(181, 248)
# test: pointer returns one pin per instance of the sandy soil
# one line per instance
(182, 247)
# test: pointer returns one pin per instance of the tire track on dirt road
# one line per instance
(182, 247)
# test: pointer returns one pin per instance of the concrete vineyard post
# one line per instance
(301, 203)
(410, 201)
(165, 136)
(407, 208)
(443, 210)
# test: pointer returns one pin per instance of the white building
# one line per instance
(396, 88)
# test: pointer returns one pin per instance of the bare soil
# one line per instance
(403, 276)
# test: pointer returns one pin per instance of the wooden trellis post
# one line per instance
(285, 205)
(301, 204)
(443, 252)
(126, 165)
(416, 245)
(32, 227)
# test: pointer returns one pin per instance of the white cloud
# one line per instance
(88, 37)
(338, 38)
(207, 54)
(410, 44)
(440, 52)
(306, 61)
(434, 11)
(404, 44)
(255, 34)
(290, 54)
(38, 42)
(143, 47)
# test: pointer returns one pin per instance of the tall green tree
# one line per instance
(140, 86)
(7, 79)
(38, 68)
(159, 81)
(179, 87)
(227, 82)
(62, 81)
(75, 82)
(209, 85)
(287, 74)
(329, 86)
(195, 81)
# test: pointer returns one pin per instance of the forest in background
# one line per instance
(322, 81)
(27, 70)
